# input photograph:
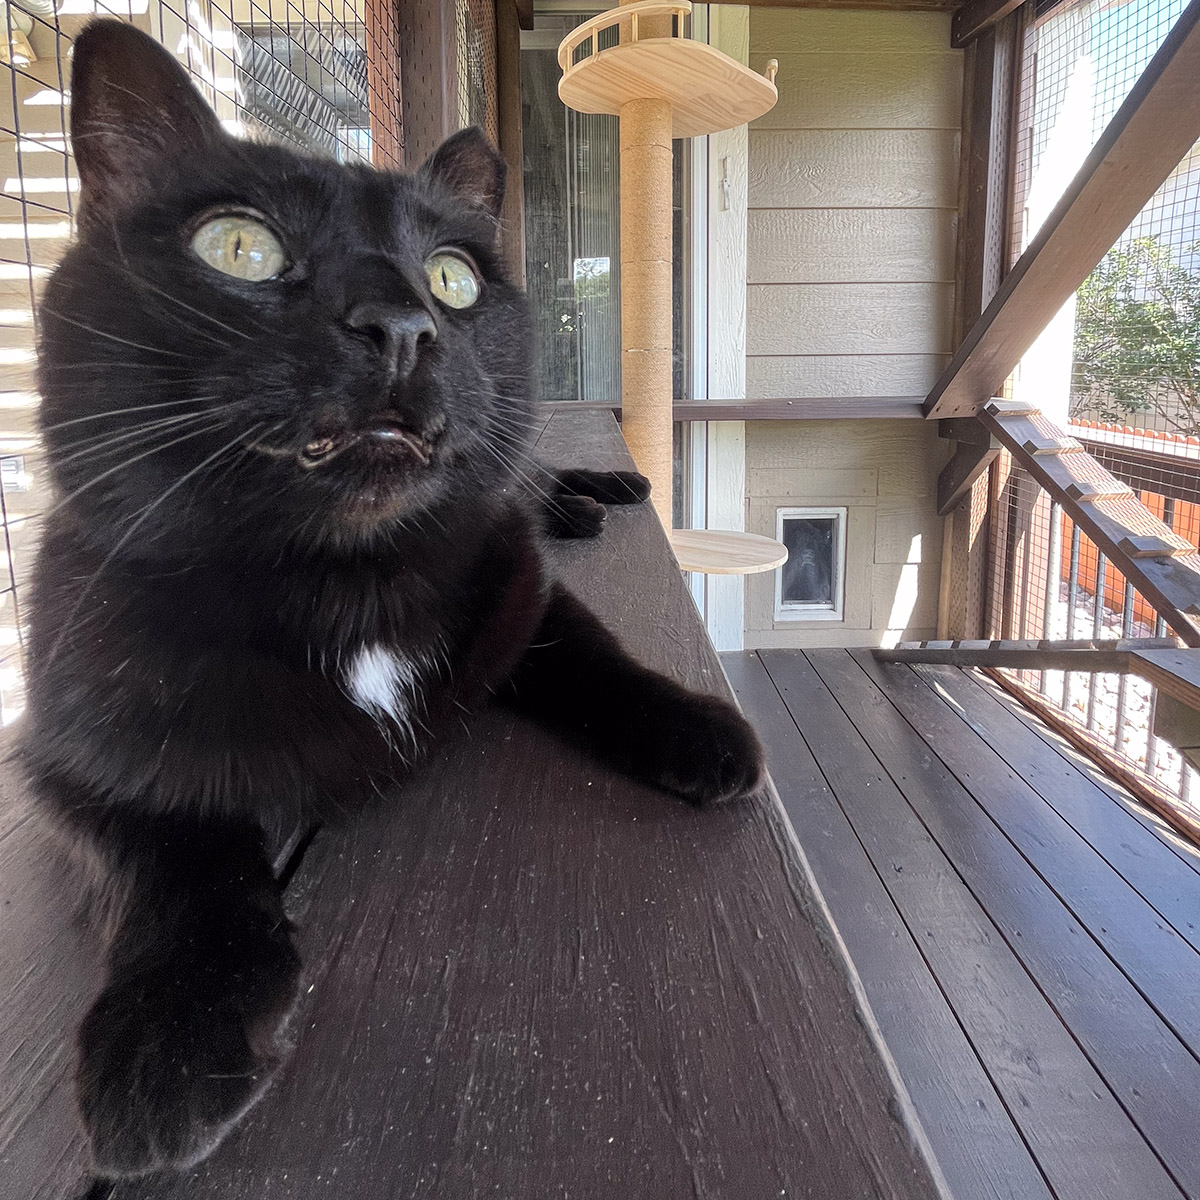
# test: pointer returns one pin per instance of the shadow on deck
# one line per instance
(1025, 940)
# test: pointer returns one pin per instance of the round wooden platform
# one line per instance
(726, 551)
(708, 91)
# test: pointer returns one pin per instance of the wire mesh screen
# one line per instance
(319, 74)
(1126, 350)
(475, 27)
(1053, 582)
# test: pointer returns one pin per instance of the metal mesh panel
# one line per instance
(319, 74)
(475, 25)
(1127, 349)
(1051, 581)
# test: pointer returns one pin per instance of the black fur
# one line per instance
(206, 585)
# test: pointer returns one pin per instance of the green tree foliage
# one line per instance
(1137, 339)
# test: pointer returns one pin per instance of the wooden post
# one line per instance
(508, 93)
(646, 308)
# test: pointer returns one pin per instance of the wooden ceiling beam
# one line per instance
(976, 17)
(1151, 132)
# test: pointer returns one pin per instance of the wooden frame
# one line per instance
(511, 133)
(1157, 124)
(425, 33)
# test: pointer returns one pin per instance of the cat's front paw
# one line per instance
(167, 1068)
(706, 751)
(576, 517)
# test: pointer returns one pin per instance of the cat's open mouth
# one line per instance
(383, 436)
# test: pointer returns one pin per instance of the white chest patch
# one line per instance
(383, 684)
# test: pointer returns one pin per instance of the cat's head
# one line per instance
(252, 343)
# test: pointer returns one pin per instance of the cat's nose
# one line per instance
(399, 333)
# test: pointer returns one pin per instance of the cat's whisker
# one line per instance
(134, 525)
(116, 412)
(91, 483)
(112, 337)
(128, 437)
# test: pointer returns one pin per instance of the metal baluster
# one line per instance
(1053, 582)
(1160, 624)
(1072, 586)
(1097, 629)
(1123, 680)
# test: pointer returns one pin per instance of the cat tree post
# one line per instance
(646, 375)
(634, 61)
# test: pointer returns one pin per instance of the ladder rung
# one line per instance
(1051, 445)
(1115, 490)
(1153, 546)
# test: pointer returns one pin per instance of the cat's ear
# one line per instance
(132, 106)
(471, 167)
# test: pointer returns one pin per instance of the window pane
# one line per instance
(808, 572)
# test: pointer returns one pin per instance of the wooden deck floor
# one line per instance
(1026, 943)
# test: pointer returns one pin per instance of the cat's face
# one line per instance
(331, 350)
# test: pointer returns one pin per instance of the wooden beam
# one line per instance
(1151, 132)
(426, 36)
(813, 408)
(980, 261)
(872, 5)
(977, 17)
(1171, 670)
(1171, 580)
(960, 473)
(524, 13)
(509, 124)
(1110, 656)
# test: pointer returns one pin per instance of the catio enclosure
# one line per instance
(935, 325)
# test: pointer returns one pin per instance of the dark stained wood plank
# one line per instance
(1076, 1129)
(969, 1132)
(1186, 851)
(532, 978)
(1062, 940)
(1150, 133)
(48, 970)
(1163, 966)
(1101, 752)
(972, 1138)
(1132, 849)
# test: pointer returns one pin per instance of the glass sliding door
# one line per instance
(572, 229)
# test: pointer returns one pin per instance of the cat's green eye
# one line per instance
(452, 279)
(241, 246)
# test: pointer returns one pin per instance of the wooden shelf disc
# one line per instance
(726, 551)
(708, 91)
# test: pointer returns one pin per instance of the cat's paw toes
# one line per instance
(578, 517)
(164, 1075)
(711, 755)
(629, 487)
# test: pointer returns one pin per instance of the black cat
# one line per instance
(286, 407)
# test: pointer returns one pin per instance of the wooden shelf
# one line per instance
(708, 91)
(726, 551)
